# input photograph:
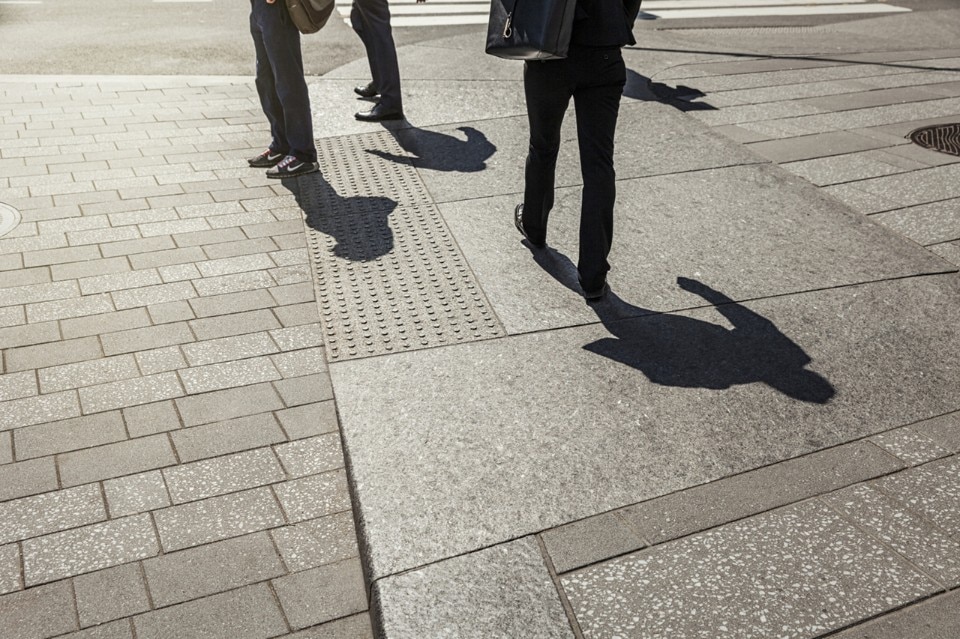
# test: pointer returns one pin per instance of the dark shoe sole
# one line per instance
(265, 163)
(304, 171)
(379, 118)
(518, 222)
(598, 294)
(365, 93)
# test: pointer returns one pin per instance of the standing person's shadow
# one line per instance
(441, 152)
(640, 87)
(359, 225)
(675, 350)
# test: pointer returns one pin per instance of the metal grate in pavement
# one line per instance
(940, 137)
(9, 218)
(389, 275)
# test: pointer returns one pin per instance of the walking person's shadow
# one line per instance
(441, 152)
(675, 350)
(359, 225)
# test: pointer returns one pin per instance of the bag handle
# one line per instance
(508, 25)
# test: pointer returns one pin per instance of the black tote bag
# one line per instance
(530, 29)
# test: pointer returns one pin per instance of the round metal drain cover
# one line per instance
(940, 137)
(9, 218)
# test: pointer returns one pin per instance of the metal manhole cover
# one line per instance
(939, 137)
(9, 218)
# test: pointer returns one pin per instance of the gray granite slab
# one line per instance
(931, 491)
(842, 168)
(860, 201)
(480, 159)
(902, 128)
(949, 251)
(867, 99)
(798, 572)
(702, 507)
(749, 231)
(945, 430)
(425, 103)
(814, 146)
(876, 116)
(947, 89)
(936, 618)
(929, 549)
(928, 223)
(911, 445)
(590, 540)
(488, 441)
(917, 187)
(927, 157)
(504, 591)
(785, 92)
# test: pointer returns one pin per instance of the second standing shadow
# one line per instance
(441, 152)
(676, 350)
(359, 225)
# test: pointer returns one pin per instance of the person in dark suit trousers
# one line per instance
(283, 92)
(371, 20)
(593, 74)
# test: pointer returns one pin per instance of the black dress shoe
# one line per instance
(518, 222)
(379, 113)
(597, 294)
(368, 90)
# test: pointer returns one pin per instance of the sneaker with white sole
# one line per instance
(290, 166)
(266, 159)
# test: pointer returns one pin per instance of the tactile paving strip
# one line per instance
(389, 276)
(359, 166)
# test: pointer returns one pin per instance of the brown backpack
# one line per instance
(309, 16)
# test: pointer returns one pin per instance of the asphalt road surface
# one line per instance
(211, 37)
(137, 37)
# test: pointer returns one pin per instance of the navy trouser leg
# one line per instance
(371, 20)
(280, 82)
(600, 79)
(548, 88)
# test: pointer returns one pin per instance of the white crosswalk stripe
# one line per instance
(409, 13)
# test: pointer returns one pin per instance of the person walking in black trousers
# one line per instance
(593, 74)
(283, 92)
(371, 20)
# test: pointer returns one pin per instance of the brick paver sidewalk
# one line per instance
(170, 463)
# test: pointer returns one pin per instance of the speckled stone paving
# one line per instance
(169, 448)
(170, 453)
(797, 572)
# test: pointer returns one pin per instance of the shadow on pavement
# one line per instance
(675, 350)
(640, 87)
(359, 224)
(442, 152)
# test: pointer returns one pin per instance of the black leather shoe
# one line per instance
(518, 222)
(597, 294)
(368, 90)
(379, 113)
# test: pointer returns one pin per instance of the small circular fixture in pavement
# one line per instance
(9, 218)
(940, 137)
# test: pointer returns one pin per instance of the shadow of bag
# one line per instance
(309, 16)
(530, 29)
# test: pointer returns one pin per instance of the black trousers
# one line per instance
(371, 20)
(280, 82)
(594, 78)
